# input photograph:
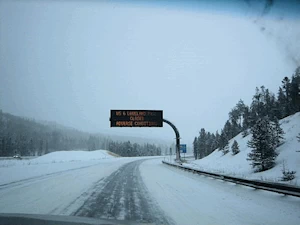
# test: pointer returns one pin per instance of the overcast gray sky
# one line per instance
(73, 61)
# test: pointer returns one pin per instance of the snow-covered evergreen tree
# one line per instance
(295, 91)
(217, 140)
(246, 119)
(278, 132)
(281, 104)
(223, 140)
(225, 150)
(235, 148)
(195, 148)
(286, 86)
(202, 144)
(245, 133)
(263, 144)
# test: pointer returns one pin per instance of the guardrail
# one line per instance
(267, 186)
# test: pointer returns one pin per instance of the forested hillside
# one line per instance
(261, 119)
(28, 137)
(286, 168)
(129, 149)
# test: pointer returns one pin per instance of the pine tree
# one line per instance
(295, 91)
(223, 140)
(281, 104)
(235, 148)
(225, 150)
(91, 143)
(40, 148)
(263, 144)
(254, 111)
(217, 140)
(31, 147)
(10, 147)
(235, 128)
(128, 149)
(246, 122)
(47, 148)
(195, 148)
(256, 106)
(208, 143)
(213, 142)
(278, 132)
(241, 107)
(286, 86)
(228, 130)
(245, 133)
(263, 104)
(202, 143)
(234, 115)
(270, 104)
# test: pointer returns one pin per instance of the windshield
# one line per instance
(125, 110)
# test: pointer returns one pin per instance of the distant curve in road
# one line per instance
(123, 196)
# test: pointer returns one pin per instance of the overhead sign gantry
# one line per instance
(142, 118)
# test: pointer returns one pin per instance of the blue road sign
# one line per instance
(183, 148)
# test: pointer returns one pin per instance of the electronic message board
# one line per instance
(136, 118)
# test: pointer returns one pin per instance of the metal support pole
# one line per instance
(177, 139)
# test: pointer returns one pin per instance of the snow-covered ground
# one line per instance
(192, 199)
(57, 157)
(70, 156)
(239, 166)
(59, 186)
(15, 170)
(56, 183)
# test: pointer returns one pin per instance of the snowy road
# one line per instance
(195, 199)
(144, 190)
(56, 188)
(123, 196)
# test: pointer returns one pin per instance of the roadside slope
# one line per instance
(239, 166)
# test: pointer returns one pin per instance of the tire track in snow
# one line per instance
(123, 196)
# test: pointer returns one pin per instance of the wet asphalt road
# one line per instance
(123, 196)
